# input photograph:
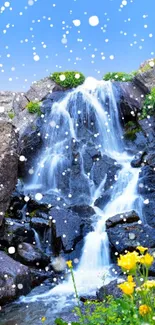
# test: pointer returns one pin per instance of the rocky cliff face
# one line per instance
(8, 164)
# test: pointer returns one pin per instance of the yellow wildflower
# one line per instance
(142, 249)
(127, 287)
(69, 264)
(149, 284)
(43, 319)
(130, 278)
(144, 310)
(147, 260)
(128, 261)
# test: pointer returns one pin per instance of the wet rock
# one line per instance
(138, 160)
(31, 255)
(146, 188)
(128, 236)
(110, 289)
(14, 232)
(15, 279)
(39, 223)
(107, 168)
(126, 217)
(130, 101)
(38, 276)
(67, 230)
(8, 164)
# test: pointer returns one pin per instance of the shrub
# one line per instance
(118, 76)
(148, 105)
(11, 115)
(34, 108)
(68, 79)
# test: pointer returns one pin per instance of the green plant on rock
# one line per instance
(149, 105)
(131, 130)
(11, 115)
(147, 65)
(68, 79)
(118, 76)
(34, 108)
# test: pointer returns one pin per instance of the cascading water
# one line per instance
(64, 129)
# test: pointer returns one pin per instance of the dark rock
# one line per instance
(39, 223)
(105, 167)
(39, 276)
(128, 236)
(110, 289)
(138, 160)
(15, 279)
(66, 228)
(14, 232)
(126, 217)
(130, 101)
(8, 164)
(145, 80)
(30, 255)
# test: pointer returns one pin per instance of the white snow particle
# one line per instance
(111, 57)
(77, 22)
(36, 57)
(38, 196)
(30, 2)
(11, 250)
(146, 201)
(7, 4)
(77, 76)
(22, 158)
(93, 21)
(62, 77)
(124, 2)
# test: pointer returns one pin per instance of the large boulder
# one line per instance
(15, 279)
(8, 164)
(125, 233)
(31, 255)
(145, 80)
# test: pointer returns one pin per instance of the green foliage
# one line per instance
(146, 66)
(33, 213)
(11, 115)
(72, 79)
(34, 108)
(149, 105)
(131, 129)
(118, 76)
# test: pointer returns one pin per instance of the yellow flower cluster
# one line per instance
(144, 310)
(128, 286)
(146, 259)
(149, 284)
(129, 261)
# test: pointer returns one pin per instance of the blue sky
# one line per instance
(30, 28)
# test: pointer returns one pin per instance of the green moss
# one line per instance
(11, 115)
(148, 105)
(6, 214)
(33, 213)
(118, 76)
(34, 108)
(131, 129)
(72, 79)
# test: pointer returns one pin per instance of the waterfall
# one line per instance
(37, 239)
(87, 114)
